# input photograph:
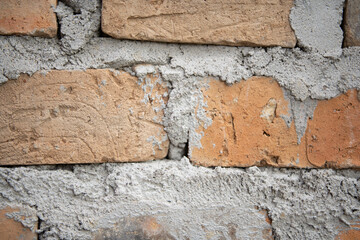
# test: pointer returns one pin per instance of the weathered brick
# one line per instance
(351, 232)
(11, 229)
(23, 17)
(225, 22)
(248, 129)
(352, 23)
(333, 135)
(82, 117)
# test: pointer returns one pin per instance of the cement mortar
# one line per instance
(317, 25)
(80, 201)
(305, 75)
(78, 24)
(322, 71)
(76, 202)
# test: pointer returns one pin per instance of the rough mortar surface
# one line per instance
(317, 25)
(304, 75)
(170, 199)
(184, 201)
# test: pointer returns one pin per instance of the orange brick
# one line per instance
(23, 17)
(247, 128)
(349, 233)
(11, 229)
(81, 117)
(226, 22)
(333, 136)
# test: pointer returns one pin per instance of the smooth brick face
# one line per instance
(226, 22)
(333, 135)
(24, 17)
(248, 129)
(11, 229)
(81, 117)
(352, 23)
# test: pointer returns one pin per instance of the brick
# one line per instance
(23, 17)
(333, 135)
(248, 129)
(11, 229)
(350, 232)
(226, 22)
(82, 117)
(352, 23)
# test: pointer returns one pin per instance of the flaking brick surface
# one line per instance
(82, 117)
(11, 229)
(248, 128)
(224, 22)
(23, 17)
(333, 136)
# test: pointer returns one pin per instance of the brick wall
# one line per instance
(247, 113)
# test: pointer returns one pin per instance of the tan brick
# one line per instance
(247, 128)
(11, 229)
(23, 17)
(225, 22)
(333, 137)
(352, 23)
(82, 117)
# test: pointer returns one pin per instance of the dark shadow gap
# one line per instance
(342, 25)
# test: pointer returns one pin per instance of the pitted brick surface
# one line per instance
(248, 128)
(82, 117)
(333, 137)
(22, 17)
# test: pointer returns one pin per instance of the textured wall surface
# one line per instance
(82, 117)
(226, 22)
(35, 18)
(240, 142)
